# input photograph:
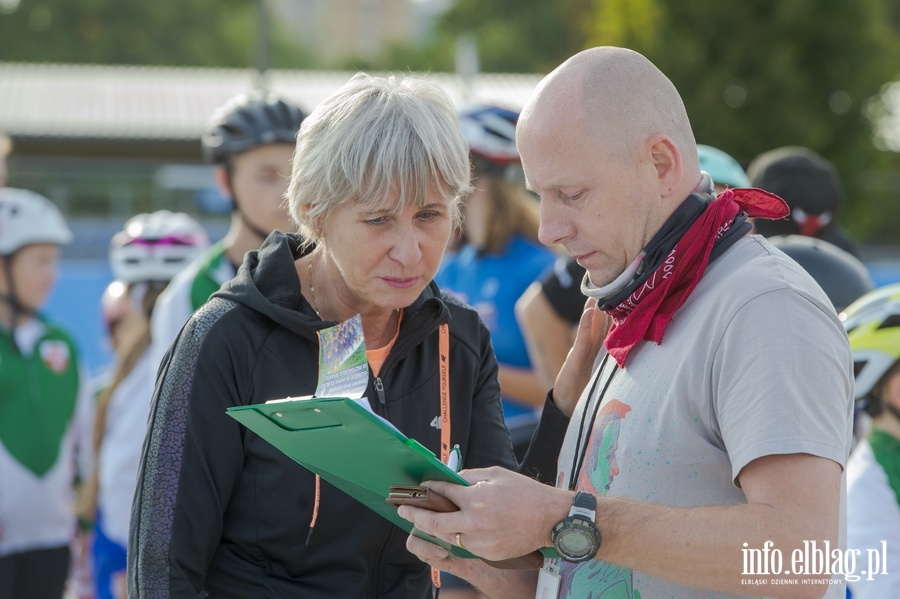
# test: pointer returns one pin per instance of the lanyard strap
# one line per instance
(580, 449)
(444, 367)
(444, 370)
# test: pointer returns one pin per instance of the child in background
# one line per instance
(873, 472)
(144, 256)
(45, 407)
(501, 255)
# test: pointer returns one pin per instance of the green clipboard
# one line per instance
(352, 449)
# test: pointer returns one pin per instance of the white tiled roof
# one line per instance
(174, 103)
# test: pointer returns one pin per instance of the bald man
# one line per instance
(711, 422)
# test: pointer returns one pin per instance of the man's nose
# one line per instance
(554, 227)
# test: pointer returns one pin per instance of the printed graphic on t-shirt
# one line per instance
(596, 578)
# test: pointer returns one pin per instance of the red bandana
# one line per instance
(646, 313)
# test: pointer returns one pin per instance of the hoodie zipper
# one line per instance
(377, 564)
(379, 389)
(428, 325)
(432, 321)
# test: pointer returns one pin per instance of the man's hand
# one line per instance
(576, 370)
(502, 515)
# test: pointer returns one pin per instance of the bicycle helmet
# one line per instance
(842, 276)
(873, 327)
(806, 181)
(248, 121)
(490, 132)
(155, 246)
(723, 169)
(27, 217)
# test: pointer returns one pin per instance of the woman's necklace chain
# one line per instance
(312, 288)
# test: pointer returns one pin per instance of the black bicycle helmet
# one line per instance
(840, 274)
(250, 120)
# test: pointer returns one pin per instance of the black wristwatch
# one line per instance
(576, 538)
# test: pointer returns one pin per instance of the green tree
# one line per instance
(211, 33)
(759, 74)
(433, 57)
(519, 35)
(755, 75)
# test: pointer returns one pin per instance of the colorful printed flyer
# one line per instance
(343, 368)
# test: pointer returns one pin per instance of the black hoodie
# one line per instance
(221, 511)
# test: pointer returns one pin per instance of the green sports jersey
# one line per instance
(209, 276)
(40, 393)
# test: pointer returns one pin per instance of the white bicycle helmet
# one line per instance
(156, 246)
(27, 217)
(873, 326)
(490, 132)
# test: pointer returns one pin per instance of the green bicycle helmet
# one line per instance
(723, 169)
(873, 327)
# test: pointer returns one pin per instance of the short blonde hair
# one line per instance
(376, 140)
(5, 145)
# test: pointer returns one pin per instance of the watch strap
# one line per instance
(584, 504)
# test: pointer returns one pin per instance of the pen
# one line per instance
(454, 460)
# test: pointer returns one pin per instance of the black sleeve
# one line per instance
(192, 456)
(542, 458)
(562, 287)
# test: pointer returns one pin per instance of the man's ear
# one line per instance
(666, 160)
(223, 182)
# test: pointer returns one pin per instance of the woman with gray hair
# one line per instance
(378, 173)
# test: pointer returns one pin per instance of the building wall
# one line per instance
(338, 30)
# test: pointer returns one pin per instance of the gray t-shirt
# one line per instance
(755, 363)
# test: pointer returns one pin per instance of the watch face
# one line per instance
(575, 543)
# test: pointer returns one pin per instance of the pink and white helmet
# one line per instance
(156, 246)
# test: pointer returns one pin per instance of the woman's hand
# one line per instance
(501, 515)
(471, 570)
(493, 583)
(576, 370)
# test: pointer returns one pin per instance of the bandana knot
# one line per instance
(645, 313)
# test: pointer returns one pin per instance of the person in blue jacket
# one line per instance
(501, 255)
